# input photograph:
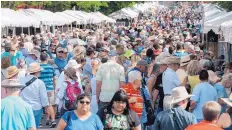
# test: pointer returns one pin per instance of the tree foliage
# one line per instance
(105, 7)
(225, 4)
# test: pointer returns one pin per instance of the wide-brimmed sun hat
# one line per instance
(11, 71)
(184, 60)
(34, 67)
(173, 60)
(228, 101)
(213, 78)
(179, 94)
(73, 64)
(11, 83)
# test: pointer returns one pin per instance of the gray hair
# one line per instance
(211, 110)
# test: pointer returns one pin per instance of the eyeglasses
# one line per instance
(60, 52)
(84, 102)
(12, 50)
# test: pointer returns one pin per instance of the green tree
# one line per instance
(90, 6)
(227, 5)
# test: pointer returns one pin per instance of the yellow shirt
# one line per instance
(193, 81)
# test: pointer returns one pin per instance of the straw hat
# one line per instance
(11, 83)
(34, 67)
(35, 52)
(184, 60)
(11, 71)
(78, 50)
(173, 60)
(73, 64)
(213, 78)
(144, 52)
(228, 101)
(179, 94)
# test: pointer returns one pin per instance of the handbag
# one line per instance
(148, 108)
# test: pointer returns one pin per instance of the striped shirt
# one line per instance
(131, 92)
(46, 75)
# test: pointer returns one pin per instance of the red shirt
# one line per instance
(131, 92)
(204, 125)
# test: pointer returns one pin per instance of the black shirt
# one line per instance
(159, 86)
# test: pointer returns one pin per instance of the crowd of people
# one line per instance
(152, 74)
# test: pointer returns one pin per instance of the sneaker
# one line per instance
(53, 124)
(47, 122)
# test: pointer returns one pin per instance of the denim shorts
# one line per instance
(38, 115)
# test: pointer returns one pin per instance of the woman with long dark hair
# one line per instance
(118, 115)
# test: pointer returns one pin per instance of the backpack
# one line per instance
(72, 91)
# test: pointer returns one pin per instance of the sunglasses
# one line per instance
(84, 102)
(60, 52)
(104, 51)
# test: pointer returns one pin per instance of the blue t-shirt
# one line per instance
(221, 93)
(203, 93)
(74, 123)
(61, 63)
(180, 54)
(14, 58)
(46, 75)
(16, 114)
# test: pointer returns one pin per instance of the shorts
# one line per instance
(51, 98)
(38, 115)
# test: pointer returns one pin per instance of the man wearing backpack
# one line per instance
(35, 93)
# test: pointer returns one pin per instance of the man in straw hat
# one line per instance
(35, 92)
(155, 82)
(170, 79)
(177, 117)
(16, 114)
(33, 57)
(211, 112)
(181, 72)
(203, 93)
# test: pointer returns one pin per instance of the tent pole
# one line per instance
(34, 30)
(71, 26)
(22, 30)
(62, 28)
(28, 30)
(14, 31)
(7, 33)
(76, 24)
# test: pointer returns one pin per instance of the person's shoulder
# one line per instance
(163, 114)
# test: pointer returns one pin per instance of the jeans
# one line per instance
(37, 115)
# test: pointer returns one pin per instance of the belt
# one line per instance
(167, 95)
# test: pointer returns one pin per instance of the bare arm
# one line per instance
(150, 84)
(192, 105)
(33, 128)
(224, 121)
(137, 127)
(155, 95)
(61, 125)
(98, 89)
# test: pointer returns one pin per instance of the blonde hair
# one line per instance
(194, 67)
(211, 110)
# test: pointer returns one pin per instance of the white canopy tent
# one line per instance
(104, 18)
(11, 18)
(46, 17)
(216, 22)
(125, 13)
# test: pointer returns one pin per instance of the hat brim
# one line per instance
(181, 99)
(183, 64)
(227, 101)
(13, 86)
(34, 71)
